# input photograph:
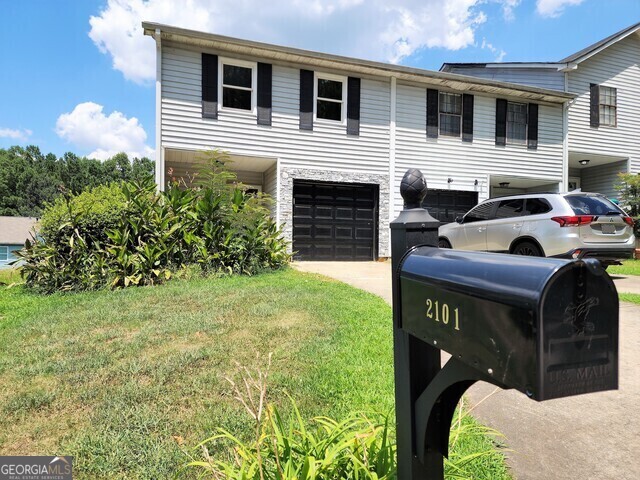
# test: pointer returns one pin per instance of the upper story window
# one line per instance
(516, 123)
(238, 84)
(331, 96)
(450, 111)
(607, 106)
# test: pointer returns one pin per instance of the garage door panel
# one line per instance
(324, 212)
(303, 211)
(344, 213)
(344, 232)
(323, 232)
(334, 221)
(446, 205)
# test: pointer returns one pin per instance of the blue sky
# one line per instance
(78, 75)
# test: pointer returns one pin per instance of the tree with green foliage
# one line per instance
(29, 180)
(629, 188)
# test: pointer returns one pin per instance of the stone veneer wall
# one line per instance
(288, 175)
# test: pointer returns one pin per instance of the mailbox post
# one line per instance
(546, 327)
(416, 362)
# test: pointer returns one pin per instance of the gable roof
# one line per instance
(601, 45)
(15, 230)
(298, 56)
(566, 63)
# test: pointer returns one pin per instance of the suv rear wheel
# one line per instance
(527, 248)
(443, 243)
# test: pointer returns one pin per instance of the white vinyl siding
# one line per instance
(617, 67)
(549, 78)
(270, 187)
(602, 178)
(449, 157)
(326, 147)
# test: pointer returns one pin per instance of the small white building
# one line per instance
(330, 137)
(603, 120)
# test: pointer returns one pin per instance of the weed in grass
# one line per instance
(360, 447)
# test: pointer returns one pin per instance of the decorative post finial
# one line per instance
(413, 188)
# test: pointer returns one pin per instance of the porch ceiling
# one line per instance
(521, 182)
(594, 159)
(236, 162)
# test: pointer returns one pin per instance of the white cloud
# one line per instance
(386, 30)
(498, 52)
(15, 134)
(87, 127)
(508, 7)
(554, 8)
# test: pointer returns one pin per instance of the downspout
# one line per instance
(160, 181)
(392, 152)
(565, 138)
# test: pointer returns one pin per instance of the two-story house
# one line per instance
(330, 137)
(603, 120)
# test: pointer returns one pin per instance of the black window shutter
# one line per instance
(306, 100)
(353, 106)
(532, 126)
(501, 122)
(209, 86)
(432, 113)
(594, 116)
(264, 93)
(467, 117)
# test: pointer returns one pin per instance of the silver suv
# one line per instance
(564, 225)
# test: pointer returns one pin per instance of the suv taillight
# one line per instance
(628, 221)
(574, 221)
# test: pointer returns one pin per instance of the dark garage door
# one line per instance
(445, 205)
(333, 221)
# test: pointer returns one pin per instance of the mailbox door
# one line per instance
(579, 332)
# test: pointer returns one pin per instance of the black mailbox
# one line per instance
(546, 327)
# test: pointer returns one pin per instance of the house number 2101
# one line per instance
(440, 312)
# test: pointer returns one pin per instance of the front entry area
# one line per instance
(335, 221)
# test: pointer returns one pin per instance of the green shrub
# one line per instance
(93, 212)
(130, 234)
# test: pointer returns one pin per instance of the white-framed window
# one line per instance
(516, 123)
(4, 253)
(608, 106)
(450, 113)
(330, 93)
(238, 84)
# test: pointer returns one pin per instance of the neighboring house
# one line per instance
(603, 120)
(14, 231)
(330, 137)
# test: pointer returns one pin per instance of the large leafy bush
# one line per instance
(130, 234)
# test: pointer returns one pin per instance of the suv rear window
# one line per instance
(588, 205)
(536, 206)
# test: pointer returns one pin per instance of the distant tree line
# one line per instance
(30, 179)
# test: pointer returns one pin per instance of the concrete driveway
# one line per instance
(595, 436)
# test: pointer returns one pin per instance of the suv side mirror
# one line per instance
(459, 219)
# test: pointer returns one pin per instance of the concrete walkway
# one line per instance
(595, 436)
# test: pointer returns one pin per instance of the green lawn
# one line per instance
(628, 267)
(630, 297)
(121, 379)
